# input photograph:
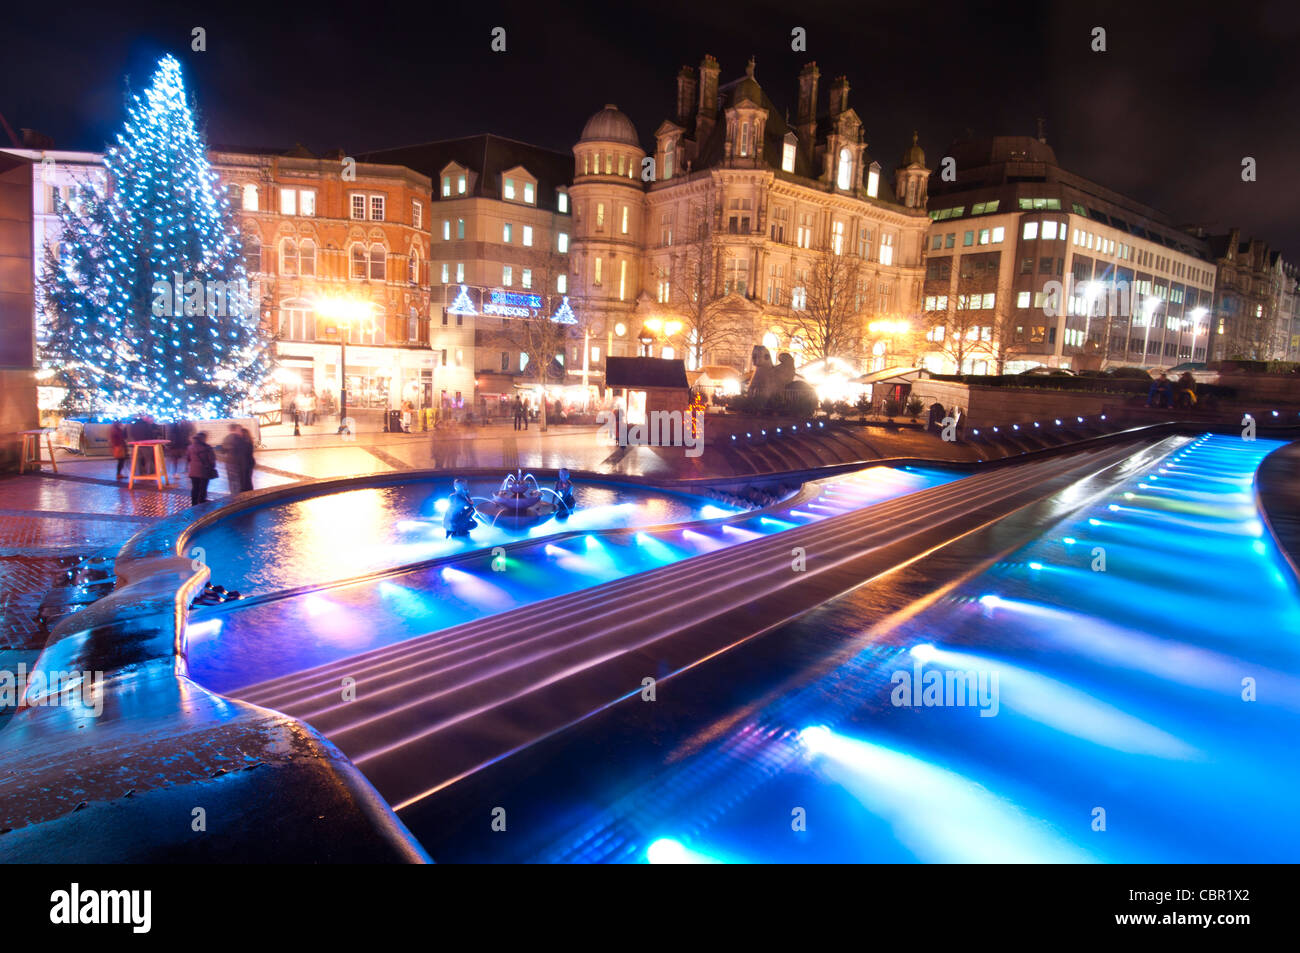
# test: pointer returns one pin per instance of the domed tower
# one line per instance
(911, 178)
(608, 231)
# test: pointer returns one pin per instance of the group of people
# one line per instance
(188, 448)
(453, 443)
(1166, 393)
(521, 413)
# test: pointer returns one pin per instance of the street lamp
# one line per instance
(343, 311)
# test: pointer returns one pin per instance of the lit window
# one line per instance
(1022, 299)
(413, 267)
(510, 189)
(845, 177)
(1049, 231)
(526, 278)
(624, 219)
(417, 213)
(837, 237)
(670, 152)
(446, 230)
(596, 276)
(562, 243)
(528, 235)
(507, 275)
(460, 228)
(288, 202)
(622, 279)
(507, 231)
(787, 155)
(288, 257)
(446, 186)
(873, 183)
(250, 198)
(460, 185)
(999, 233)
(307, 258)
(561, 283)
(886, 249)
(984, 236)
(1031, 231)
(358, 259)
(378, 262)
(460, 271)
(600, 215)
(446, 272)
(529, 194)
(563, 202)
(358, 206)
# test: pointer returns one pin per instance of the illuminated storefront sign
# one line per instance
(512, 304)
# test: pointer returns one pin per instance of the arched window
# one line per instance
(845, 178)
(670, 153)
(307, 258)
(378, 260)
(358, 259)
(250, 198)
(252, 252)
(413, 266)
(288, 256)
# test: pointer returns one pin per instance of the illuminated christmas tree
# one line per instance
(149, 306)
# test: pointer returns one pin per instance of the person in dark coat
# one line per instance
(232, 448)
(458, 520)
(178, 433)
(248, 460)
(117, 443)
(142, 428)
(202, 460)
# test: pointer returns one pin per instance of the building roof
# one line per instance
(610, 125)
(488, 156)
(645, 372)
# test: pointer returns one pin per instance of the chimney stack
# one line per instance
(839, 95)
(807, 95)
(685, 95)
(708, 98)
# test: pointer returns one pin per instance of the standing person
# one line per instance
(142, 429)
(467, 442)
(247, 460)
(309, 408)
(117, 442)
(518, 412)
(178, 433)
(202, 460)
(232, 448)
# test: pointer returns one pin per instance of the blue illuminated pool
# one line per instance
(264, 638)
(315, 540)
(1141, 668)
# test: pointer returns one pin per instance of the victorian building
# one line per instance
(729, 216)
(337, 251)
(1255, 304)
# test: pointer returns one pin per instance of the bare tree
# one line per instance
(712, 320)
(539, 335)
(830, 321)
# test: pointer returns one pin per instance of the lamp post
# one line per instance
(343, 311)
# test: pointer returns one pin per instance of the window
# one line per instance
(413, 267)
(1049, 231)
(837, 237)
(1045, 266)
(625, 214)
(1031, 230)
(746, 138)
(446, 229)
(596, 276)
(288, 257)
(799, 298)
(530, 195)
(736, 278)
(844, 178)
(297, 321)
(507, 231)
(562, 202)
(378, 262)
(622, 280)
(505, 361)
(446, 186)
(358, 206)
(984, 236)
(670, 152)
(621, 167)
(999, 233)
(562, 283)
(359, 264)
(950, 240)
(528, 236)
(803, 235)
(968, 239)
(288, 201)
(873, 182)
(252, 253)
(446, 272)
(417, 214)
(600, 216)
(864, 242)
(562, 243)
(526, 278)
(510, 190)
(460, 271)
(250, 198)
(507, 276)
(1026, 266)
(460, 228)
(460, 185)
(376, 208)
(774, 275)
(307, 258)
(788, 153)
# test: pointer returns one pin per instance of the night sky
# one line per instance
(1183, 92)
